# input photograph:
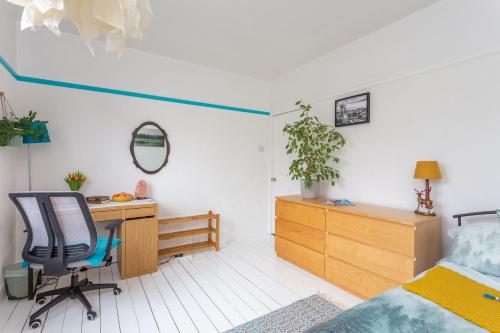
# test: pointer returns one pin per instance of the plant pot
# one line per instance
(41, 133)
(16, 141)
(309, 193)
(74, 187)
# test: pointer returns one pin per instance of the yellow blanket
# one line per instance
(459, 295)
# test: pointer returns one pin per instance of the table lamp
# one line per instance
(42, 136)
(426, 170)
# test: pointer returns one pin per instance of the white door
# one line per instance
(281, 183)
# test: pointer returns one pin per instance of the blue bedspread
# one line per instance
(403, 312)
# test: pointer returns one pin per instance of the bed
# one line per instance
(402, 311)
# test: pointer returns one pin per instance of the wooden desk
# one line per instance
(138, 252)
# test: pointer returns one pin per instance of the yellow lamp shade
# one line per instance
(427, 170)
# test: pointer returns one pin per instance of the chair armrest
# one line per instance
(112, 226)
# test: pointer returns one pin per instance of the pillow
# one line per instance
(477, 246)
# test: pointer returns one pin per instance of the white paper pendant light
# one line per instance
(117, 20)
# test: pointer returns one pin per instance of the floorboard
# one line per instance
(224, 289)
(145, 318)
(55, 317)
(196, 312)
(228, 309)
(206, 291)
(253, 296)
(273, 269)
(19, 316)
(108, 308)
(181, 317)
(49, 285)
(160, 311)
(6, 310)
(89, 326)
(211, 310)
(127, 318)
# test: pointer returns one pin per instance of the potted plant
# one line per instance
(75, 180)
(313, 144)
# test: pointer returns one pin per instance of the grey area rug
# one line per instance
(296, 317)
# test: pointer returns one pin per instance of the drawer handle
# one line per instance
(139, 218)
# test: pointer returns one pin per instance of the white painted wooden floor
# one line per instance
(209, 292)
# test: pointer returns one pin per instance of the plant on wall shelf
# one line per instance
(26, 124)
(8, 131)
(11, 126)
(313, 144)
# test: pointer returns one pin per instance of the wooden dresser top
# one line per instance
(373, 211)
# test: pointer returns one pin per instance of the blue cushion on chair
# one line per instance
(98, 255)
(100, 250)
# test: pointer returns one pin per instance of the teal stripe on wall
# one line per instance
(70, 85)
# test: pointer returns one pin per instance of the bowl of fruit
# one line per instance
(122, 197)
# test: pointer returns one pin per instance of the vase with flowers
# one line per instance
(75, 180)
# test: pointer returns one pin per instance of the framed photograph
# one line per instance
(352, 110)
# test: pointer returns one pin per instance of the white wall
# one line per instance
(426, 73)
(434, 79)
(215, 162)
(10, 157)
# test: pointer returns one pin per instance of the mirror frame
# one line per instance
(134, 134)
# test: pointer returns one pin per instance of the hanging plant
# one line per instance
(8, 131)
(12, 126)
(26, 124)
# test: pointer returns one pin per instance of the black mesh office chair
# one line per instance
(62, 238)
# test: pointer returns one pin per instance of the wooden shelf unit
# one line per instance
(209, 230)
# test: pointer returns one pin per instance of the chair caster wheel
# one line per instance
(91, 315)
(117, 291)
(35, 323)
(41, 301)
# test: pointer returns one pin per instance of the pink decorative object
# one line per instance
(141, 190)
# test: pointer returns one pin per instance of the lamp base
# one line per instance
(424, 213)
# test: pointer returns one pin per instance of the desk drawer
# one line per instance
(107, 215)
(356, 280)
(310, 216)
(387, 235)
(309, 237)
(301, 256)
(139, 212)
(388, 264)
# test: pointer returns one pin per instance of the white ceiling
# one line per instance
(264, 38)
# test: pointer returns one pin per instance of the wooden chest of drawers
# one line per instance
(364, 249)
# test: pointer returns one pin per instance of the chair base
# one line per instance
(75, 290)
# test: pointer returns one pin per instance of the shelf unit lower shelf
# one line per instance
(172, 251)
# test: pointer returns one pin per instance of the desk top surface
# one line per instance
(120, 205)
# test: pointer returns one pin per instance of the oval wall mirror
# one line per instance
(150, 147)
